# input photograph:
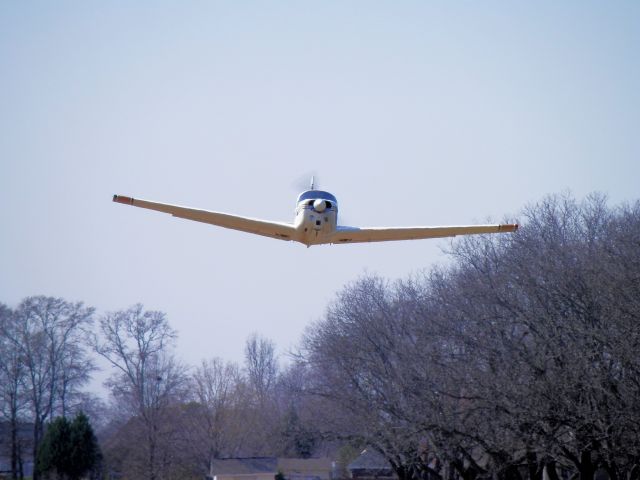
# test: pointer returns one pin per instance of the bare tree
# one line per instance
(148, 380)
(261, 364)
(360, 359)
(12, 394)
(49, 334)
(216, 428)
(261, 374)
(549, 304)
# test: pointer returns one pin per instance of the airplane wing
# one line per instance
(382, 234)
(282, 231)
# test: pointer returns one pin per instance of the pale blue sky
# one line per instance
(409, 112)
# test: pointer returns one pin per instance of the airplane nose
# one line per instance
(319, 205)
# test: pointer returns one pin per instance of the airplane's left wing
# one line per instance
(383, 234)
(281, 231)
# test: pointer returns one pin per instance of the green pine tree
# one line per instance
(69, 450)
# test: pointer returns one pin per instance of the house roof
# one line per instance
(304, 465)
(253, 465)
(369, 459)
(244, 466)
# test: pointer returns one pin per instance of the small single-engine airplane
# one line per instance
(315, 223)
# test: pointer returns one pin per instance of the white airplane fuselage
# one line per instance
(316, 217)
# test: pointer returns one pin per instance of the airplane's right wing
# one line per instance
(383, 234)
(281, 231)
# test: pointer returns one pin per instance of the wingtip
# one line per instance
(123, 199)
(509, 227)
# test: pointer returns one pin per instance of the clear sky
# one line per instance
(411, 113)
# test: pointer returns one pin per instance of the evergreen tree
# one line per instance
(69, 450)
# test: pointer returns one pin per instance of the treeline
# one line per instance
(165, 420)
(519, 360)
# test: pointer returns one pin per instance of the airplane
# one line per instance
(315, 222)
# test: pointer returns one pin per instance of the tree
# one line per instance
(47, 336)
(12, 393)
(363, 361)
(216, 387)
(148, 380)
(561, 303)
(261, 364)
(69, 450)
(262, 409)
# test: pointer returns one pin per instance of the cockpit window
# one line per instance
(315, 194)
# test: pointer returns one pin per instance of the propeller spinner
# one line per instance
(319, 205)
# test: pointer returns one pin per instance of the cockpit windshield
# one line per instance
(315, 194)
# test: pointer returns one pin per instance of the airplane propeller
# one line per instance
(308, 181)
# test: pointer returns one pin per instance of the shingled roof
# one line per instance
(292, 467)
(244, 466)
(370, 459)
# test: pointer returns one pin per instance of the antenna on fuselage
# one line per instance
(312, 182)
